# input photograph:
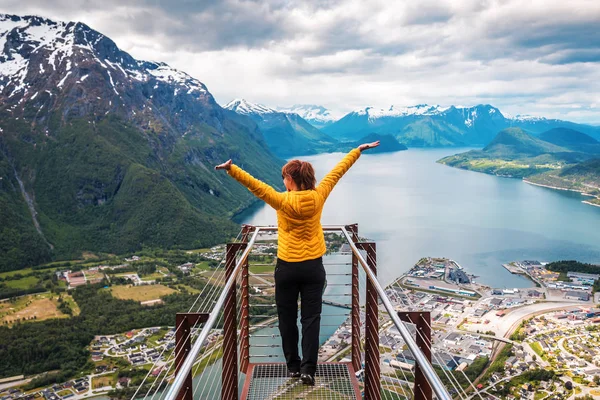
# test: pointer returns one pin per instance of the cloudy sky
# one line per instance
(538, 57)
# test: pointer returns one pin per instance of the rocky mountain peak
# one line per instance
(45, 64)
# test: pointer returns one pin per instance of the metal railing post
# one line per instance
(229, 377)
(438, 387)
(372, 368)
(422, 321)
(355, 315)
(245, 315)
(184, 322)
(210, 323)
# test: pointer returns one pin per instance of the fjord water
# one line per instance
(413, 207)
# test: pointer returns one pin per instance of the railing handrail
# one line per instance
(186, 367)
(435, 382)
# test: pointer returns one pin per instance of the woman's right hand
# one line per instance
(226, 165)
(366, 146)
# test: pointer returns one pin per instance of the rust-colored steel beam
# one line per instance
(372, 367)
(422, 322)
(355, 315)
(229, 378)
(183, 325)
(245, 315)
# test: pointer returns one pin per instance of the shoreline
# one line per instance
(591, 204)
(568, 190)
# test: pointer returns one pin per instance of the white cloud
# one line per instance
(538, 57)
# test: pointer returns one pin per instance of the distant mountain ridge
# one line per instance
(287, 134)
(103, 152)
(434, 126)
(317, 116)
(572, 140)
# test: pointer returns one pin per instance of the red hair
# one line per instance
(302, 173)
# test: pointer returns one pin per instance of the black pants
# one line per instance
(307, 279)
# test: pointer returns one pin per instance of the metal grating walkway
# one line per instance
(334, 381)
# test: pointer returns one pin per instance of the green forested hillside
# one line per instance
(515, 153)
(583, 177)
(20, 243)
(572, 140)
(111, 187)
(515, 142)
(574, 165)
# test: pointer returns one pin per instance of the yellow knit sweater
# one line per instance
(300, 234)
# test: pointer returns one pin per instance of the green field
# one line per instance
(36, 307)
(140, 293)
(202, 266)
(152, 277)
(23, 283)
(104, 380)
(188, 288)
(262, 269)
(537, 348)
(72, 303)
(25, 271)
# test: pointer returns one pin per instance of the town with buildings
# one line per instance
(501, 334)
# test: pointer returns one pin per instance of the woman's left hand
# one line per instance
(226, 165)
(366, 146)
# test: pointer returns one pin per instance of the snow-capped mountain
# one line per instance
(393, 111)
(241, 106)
(287, 134)
(45, 64)
(434, 125)
(36, 43)
(317, 116)
(114, 153)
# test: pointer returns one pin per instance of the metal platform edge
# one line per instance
(250, 372)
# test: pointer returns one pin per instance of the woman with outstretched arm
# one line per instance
(301, 246)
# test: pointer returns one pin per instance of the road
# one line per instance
(8, 385)
(476, 394)
(561, 345)
(503, 326)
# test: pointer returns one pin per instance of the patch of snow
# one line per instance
(7, 25)
(164, 73)
(111, 82)
(137, 75)
(34, 96)
(526, 117)
(116, 66)
(62, 81)
(83, 78)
